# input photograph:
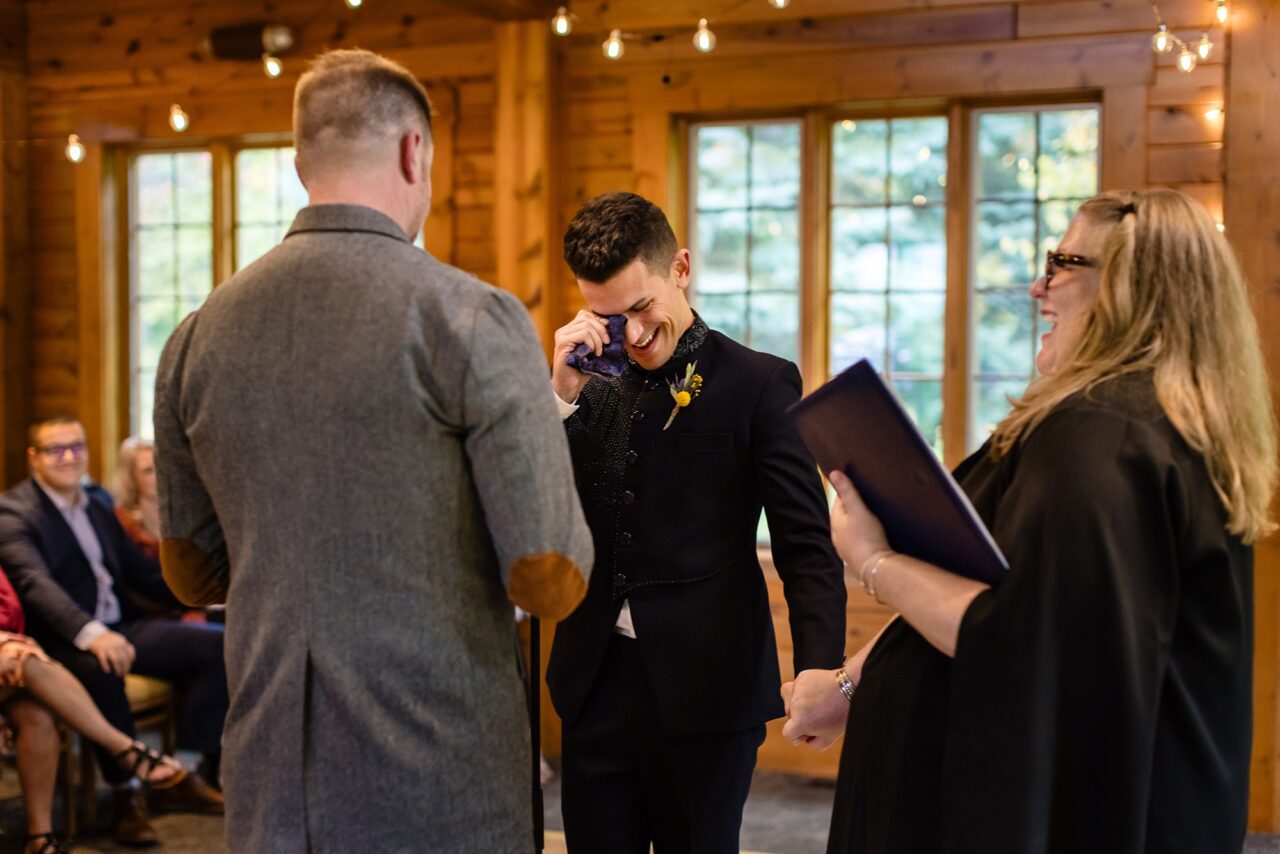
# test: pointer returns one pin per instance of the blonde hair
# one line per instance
(124, 485)
(1172, 301)
(349, 100)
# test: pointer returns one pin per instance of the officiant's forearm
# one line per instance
(932, 600)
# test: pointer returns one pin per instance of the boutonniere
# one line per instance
(683, 391)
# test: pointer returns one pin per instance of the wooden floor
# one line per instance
(555, 844)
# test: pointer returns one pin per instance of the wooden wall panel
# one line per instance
(15, 259)
(1177, 164)
(522, 158)
(1252, 161)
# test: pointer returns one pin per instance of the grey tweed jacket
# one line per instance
(357, 450)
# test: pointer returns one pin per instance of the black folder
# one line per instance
(855, 425)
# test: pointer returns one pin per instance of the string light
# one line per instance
(562, 23)
(779, 4)
(1189, 55)
(704, 40)
(1214, 113)
(1222, 12)
(354, 4)
(1162, 42)
(178, 118)
(75, 149)
(271, 66)
(1204, 47)
(613, 47)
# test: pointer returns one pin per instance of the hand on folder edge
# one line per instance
(855, 530)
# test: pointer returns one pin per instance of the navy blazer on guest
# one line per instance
(43, 559)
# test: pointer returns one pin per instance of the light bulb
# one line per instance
(178, 119)
(271, 66)
(704, 40)
(562, 23)
(779, 4)
(1204, 47)
(354, 4)
(613, 47)
(1222, 226)
(1186, 60)
(75, 149)
(1162, 42)
(1213, 113)
(1222, 12)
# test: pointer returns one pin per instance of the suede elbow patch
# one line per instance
(548, 585)
(189, 574)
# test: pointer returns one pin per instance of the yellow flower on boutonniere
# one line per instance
(683, 391)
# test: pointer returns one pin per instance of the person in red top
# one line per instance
(134, 490)
(36, 692)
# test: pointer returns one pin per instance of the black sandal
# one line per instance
(140, 760)
(52, 844)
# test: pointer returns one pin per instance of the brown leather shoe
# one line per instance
(133, 825)
(190, 794)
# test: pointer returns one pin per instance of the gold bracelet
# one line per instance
(846, 684)
(867, 577)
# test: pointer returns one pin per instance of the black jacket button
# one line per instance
(624, 539)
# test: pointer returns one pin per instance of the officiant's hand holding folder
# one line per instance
(855, 425)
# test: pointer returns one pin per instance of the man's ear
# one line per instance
(410, 144)
(681, 265)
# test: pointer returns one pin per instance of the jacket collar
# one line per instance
(686, 349)
(345, 218)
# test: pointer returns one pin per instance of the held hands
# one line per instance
(585, 328)
(855, 530)
(816, 709)
(114, 653)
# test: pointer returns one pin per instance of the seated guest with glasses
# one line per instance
(90, 598)
(1099, 697)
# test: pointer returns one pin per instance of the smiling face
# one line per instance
(59, 456)
(656, 307)
(1065, 302)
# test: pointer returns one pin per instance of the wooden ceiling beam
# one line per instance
(506, 10)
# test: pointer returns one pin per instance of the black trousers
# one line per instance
(626, 784)
(186, 654)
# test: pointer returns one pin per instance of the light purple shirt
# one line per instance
(107, 610)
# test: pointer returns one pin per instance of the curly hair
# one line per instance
(613, 230)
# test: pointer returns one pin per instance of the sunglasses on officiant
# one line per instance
(1055, 261)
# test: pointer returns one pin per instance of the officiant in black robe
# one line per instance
(1098, 698)
(666, 673)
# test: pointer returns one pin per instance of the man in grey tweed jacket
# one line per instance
(358, 453)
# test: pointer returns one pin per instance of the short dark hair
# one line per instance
(33, 431)
(614, 229)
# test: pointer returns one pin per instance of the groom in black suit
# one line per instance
(665, 675)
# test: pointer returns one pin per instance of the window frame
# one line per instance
(223, 152)
(816, 232)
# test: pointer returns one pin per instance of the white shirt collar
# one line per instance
(80, 501)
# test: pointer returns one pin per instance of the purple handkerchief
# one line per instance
(614, 358)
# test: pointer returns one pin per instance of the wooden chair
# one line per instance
(152, 704)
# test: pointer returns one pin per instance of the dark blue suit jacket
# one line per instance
(40, 554)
